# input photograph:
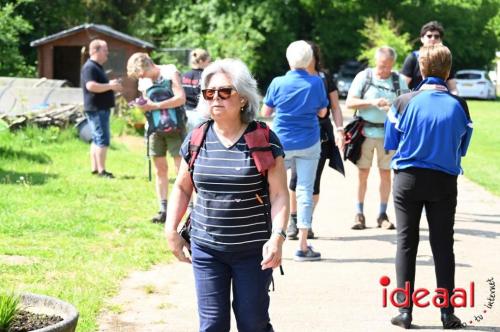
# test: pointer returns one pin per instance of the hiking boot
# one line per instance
(107, 175)
(451, 322)
(359, 222)
(159, 218)
(307, 256)
(292, 230)
(383, 222)
(310, 234)
(402, 320)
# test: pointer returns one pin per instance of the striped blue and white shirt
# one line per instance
(232, 210)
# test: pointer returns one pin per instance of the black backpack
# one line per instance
(354, 138)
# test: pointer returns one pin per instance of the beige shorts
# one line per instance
(368, 150)
(160, 143)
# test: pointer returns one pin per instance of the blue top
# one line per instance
(428, 129)
(92, 101)
(296, 98)
(232, 210)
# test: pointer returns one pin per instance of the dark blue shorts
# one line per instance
(99, 125)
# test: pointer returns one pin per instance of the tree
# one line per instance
(254, 31)
(384, 33)
(12, 62)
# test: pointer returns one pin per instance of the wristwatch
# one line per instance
(280, 232)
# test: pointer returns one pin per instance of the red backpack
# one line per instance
(257, 140)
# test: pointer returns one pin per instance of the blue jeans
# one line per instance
(214, 271)
(304, 162)
(99, 125)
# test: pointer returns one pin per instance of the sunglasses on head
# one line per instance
(432, 35)
(224, 93)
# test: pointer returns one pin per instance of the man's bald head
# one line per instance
(96, 45)
(98, 50)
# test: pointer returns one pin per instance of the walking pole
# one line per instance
(149, 157)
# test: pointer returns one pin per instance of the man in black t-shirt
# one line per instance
(98, 98)
(431, 33)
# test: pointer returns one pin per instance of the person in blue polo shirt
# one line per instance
(298, 98)
(430, 129)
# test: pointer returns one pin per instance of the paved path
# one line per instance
(341, 292)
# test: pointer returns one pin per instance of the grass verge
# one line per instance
(67, 233)
(481, 164)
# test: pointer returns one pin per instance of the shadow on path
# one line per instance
(391, 238)
(424, 261)
(478, 217)
(468, 328)
(476, 232)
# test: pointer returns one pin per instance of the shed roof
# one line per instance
(104, 29)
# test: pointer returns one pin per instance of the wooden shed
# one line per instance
(61, 55)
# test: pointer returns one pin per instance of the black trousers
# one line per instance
(414, 189)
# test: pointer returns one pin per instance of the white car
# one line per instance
(474, 84)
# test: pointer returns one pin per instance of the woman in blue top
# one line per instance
(232, 243)
(430, 129)
(298, 98)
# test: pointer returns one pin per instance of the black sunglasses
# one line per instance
(435, 36)
(224, 93)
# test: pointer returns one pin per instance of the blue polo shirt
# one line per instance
(428, 129)
(296, 98)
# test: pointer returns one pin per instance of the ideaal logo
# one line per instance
(440, 298)
(490, 301)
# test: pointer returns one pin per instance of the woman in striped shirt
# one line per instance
(239, 216)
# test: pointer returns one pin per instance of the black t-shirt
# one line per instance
(411, 68)
(92, 71)
(330, 86)
(191, 86)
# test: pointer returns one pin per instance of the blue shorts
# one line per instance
(99, 125)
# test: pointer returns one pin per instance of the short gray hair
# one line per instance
(387, 51)
(299, 54)
(242, 80)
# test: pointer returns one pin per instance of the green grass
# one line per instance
(81, 234)
(482, 162)
(9, 307)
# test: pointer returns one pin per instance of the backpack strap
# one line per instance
(368, 82)
(195, 142)
(395, 82)
(257, 140)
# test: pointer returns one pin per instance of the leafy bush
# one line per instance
(12, 28)
(384, 33)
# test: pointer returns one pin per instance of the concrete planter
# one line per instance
(51, 306)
